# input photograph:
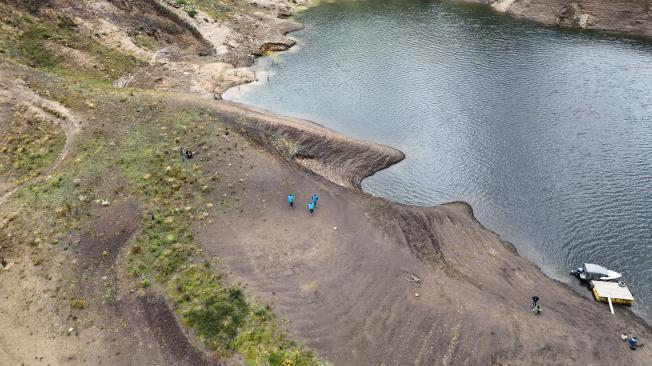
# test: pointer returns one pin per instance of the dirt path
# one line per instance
(15, 90)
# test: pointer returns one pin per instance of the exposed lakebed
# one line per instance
(546, 133)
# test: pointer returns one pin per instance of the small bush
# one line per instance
(192, 12)
(77, 303)
(182, 2)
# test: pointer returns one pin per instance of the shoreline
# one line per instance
(445, 244)
(268, 122)
(273, 131)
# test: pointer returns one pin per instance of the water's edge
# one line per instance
(338, 158)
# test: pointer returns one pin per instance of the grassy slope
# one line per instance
(128, 151)
(28, 146)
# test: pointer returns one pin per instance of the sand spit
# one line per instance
(339, 276)
(340, 159)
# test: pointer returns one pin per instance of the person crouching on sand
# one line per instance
(311, 208)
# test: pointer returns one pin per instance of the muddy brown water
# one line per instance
(547, 133)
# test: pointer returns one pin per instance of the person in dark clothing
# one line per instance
(535, 300)
(536, 308)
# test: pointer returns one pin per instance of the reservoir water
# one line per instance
(547, 133)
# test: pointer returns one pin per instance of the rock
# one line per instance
(104, 202)
(416, 294)
(334, 227)
(70, 330)
(76, 182)
(147, 176)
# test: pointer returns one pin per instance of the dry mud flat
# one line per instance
(337, 276)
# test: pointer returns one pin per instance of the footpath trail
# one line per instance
(15, 90)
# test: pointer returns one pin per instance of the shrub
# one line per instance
(77, 303)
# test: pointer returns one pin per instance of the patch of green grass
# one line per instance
(29, 145)
(77, 303)
(144, 41)
(54, 46)
(215, 9)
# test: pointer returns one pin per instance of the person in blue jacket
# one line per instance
(291, 200)
(311, 208)
(633, 343)
(314, 199)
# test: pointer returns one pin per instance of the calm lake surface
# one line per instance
(546, 133)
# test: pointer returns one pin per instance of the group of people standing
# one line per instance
(312, 204)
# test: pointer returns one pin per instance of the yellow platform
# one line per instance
(603, 290)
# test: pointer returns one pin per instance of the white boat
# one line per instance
(591, 271)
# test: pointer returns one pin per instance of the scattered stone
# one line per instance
(70, 330)
(105, 253)
(147, 176)
(104, 202)
(416, 294)
(334, 227)
(76, 182)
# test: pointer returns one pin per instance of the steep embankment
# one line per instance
(632, 17)
(340, 159)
